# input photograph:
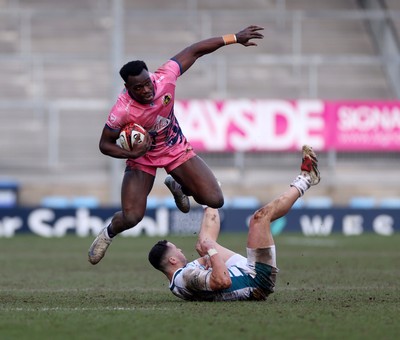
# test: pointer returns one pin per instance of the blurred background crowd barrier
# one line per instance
(59, 64)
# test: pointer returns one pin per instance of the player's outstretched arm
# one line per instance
(209, 231)
(219, 277)
(191, 53)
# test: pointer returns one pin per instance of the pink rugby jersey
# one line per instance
(157, 118)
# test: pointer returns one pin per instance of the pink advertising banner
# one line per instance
(279, 125)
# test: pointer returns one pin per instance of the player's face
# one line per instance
(141, 88)
(177, 252)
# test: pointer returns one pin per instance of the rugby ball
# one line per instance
(130, 135)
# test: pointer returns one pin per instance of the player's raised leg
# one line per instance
(197, 180)
(181, 200)
(260, 235)
(136, 184)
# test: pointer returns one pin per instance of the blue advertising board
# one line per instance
(47, 222)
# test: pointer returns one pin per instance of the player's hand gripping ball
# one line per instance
(130, 135)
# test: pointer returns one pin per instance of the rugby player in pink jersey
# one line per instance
(148, 100)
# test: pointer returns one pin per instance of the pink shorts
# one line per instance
(171, 159)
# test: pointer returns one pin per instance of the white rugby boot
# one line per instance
(181, 200)
(99, 247)
(309, 171)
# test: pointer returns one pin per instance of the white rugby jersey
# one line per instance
(190, 282)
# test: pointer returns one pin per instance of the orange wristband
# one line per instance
(229, 39)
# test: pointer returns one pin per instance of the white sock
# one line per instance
(301, 183)
(106, 233)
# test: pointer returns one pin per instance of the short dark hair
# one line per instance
(133, 68)
(157, 254)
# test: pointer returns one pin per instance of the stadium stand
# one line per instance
(362, 202)
(154, 202)
(9, 193)
(248, 202)
(58, 202)
(319, 202)
(300, 203)
(59, 65)
(85, 202)
(390, 202)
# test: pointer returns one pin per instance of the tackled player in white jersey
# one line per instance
(221, 274)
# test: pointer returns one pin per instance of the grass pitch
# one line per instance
(333, 287)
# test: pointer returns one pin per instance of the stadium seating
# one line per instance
(390, 202)
(85, 202)
(362, 202)
(9, 192)
(242, 202)
(168, 202)
(63, 202)
(55, 202)
(154, 202)
(300, 203)
(319, 202)
(305, 63)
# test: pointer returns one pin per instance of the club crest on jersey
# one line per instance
(166, 99)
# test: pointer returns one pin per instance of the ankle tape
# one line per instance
(301, 183)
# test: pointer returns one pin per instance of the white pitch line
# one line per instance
(329, 288)
(79, 290)
(80, 309)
